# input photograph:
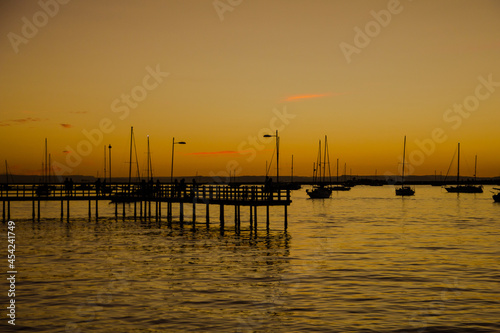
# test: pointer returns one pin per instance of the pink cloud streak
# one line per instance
(10, 122)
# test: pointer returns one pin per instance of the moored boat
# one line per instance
(340, 187)
(319, 192)
(404, 190)
(129, 194)
(467, 188)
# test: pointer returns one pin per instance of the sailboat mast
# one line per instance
(147, 178)
(130, 159)
(291, 177)
(48, 170)
(151, 166)
(324, 160)
(458, 165)
(45, 165)
(137, 161)
(404, 157)
(327, 157)
(319, 162)
(109, 147)
(104, 162)
(277, 157)
(337, 170)
(314, 171)
(475, 169)
(149, 162)
(6, 173)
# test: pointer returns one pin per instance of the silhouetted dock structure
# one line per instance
(145, 195)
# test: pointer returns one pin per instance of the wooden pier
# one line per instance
(145, 195)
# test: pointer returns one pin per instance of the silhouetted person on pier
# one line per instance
(66, 186)
(150, 187)
(98, 186)
(177, 189)
(268, 185)
(193, 188)
(104, 188)
(183, 186)
(143, 187)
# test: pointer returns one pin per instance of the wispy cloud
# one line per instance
(309, 96)
(19, 121)
(66, 125)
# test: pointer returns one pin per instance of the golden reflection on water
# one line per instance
(364, 259)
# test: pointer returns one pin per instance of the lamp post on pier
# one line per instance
(109, 148)
(172, 166)
(277, 138)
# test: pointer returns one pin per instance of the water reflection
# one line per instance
(361, 261)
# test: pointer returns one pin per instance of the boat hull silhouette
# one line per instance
(319, 193)
(405, 191)
(465, 189)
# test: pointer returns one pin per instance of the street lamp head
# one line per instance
(268, 136)
(181, 142)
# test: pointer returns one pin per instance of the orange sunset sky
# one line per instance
(221, 74)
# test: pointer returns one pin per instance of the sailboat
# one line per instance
(45, 189)
(291, 185)
(404, 190)
(468, 188)
(6, 186)
(321, 191)
(340, 187)
(106, 189)
(128, 194)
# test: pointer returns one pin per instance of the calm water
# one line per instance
(362, 261)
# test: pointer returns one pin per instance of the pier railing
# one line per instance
(242, 195)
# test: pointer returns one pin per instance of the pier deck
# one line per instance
(146, 193)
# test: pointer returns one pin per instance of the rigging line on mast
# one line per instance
(136, 159)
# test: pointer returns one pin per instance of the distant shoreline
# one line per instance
(354, 180)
